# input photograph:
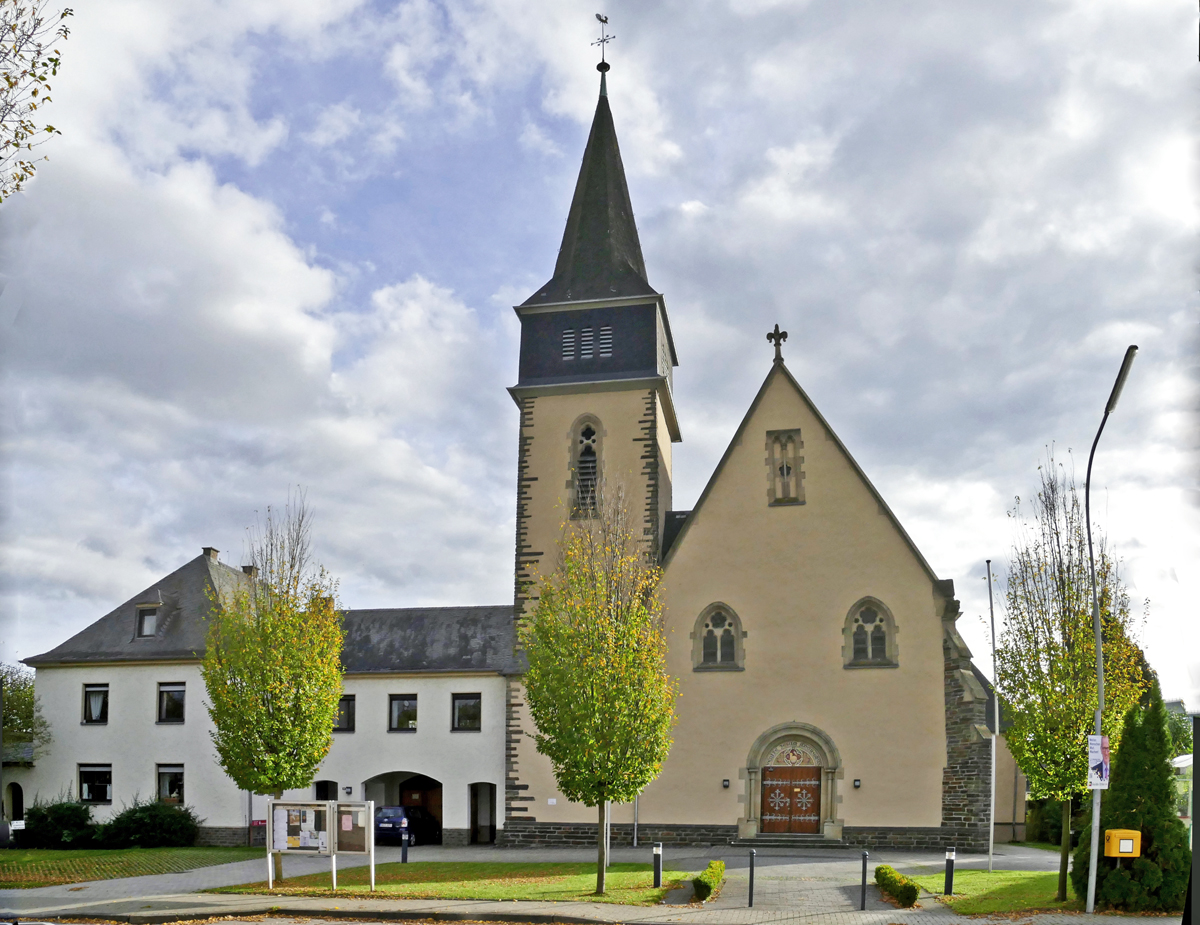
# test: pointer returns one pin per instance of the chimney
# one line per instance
(211, 552)
(251, 570)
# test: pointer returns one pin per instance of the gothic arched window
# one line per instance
(785, 478)
(717, 640)
(870, 636)
(585, 467)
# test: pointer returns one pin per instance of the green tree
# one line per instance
(1141, 796)
(1179, 730)
(23, 719)
(1046, 655)
(272, 665)
(597, 685)
(27, 62)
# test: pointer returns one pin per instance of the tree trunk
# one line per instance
(1065, 851)
(278, 858)
(601, 850)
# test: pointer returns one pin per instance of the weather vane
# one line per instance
(605, 38)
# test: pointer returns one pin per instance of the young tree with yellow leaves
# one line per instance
(1046, 654)
(272, 665)
(597, 684)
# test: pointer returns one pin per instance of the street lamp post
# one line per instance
(1087, 513)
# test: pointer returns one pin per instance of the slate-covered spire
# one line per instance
(600, 257)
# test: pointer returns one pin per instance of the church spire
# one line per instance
(601, 256)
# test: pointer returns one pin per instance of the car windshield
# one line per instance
(390, 812)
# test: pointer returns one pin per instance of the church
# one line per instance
(826, 695)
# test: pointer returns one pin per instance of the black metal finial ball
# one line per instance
(603, 67)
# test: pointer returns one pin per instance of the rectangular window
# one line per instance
(606, 341)
(569, 344)
(402, 713)
(170, 783)
(95, 704)
(95, 783)
(466, 712)
(170, 703)
(585, 343)
(343, 721)
(147, 620)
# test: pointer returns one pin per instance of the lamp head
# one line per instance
(1121, 377)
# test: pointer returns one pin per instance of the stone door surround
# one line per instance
(792, 744)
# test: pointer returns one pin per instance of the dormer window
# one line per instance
(147, 621)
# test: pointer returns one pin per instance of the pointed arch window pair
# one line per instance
(785, 477)
(870, 636)
(717, 640)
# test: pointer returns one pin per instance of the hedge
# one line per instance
(710, 881)
(896, 885)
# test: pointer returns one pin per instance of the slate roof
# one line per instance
(435, 639)
(601, 256)
(430, 639)
(17, 754)
(180, 628)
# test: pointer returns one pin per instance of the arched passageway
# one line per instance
(416, 792)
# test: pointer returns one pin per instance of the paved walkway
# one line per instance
(790, 886)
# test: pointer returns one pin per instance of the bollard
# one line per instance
(863, 904)
(403, 841)
(950, 871)
(752, 878)
(658, 863)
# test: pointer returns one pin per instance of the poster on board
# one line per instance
(1098, 763)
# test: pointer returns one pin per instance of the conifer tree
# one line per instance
(1141, 797)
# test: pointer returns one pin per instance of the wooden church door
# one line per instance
(791, 800)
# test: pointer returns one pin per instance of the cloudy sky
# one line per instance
(278, 243)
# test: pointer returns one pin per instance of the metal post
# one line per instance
(751, 878)
(270, 845)
(370, 820)
(995, 725)
(949, 891)
(607, 834)
(863, 904)
(658, 864)
(1093, 858)
(404, 841)
(4, 830)
(333, 868)
(635, 819)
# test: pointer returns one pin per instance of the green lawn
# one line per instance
(626, 883)
(41, 867)
(977, 891)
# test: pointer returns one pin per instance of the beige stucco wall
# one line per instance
(552, 428)
(791, 573)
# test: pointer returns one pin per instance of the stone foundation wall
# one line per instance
(916, 838)
(224, 836)
(456, 837)
(521, 833)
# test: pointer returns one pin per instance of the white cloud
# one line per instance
(335, 123)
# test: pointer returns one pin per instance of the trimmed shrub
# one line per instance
(1141, 796)
(709, 882)
(62, 824)
(151, 825)
(896, 885)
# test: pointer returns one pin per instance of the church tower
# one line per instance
(595, 370)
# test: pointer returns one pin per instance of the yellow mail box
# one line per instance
(1122, 843)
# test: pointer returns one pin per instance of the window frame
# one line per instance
(170, 687)
(393, 698)
(455, 700)
(778, 457)
(886, 620)
(80, 770)
(94, 688)
(144, 611)
(700, 631)
(581, 511)
(159, 771)
(348, 699)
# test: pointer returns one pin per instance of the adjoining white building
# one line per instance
(421, 721)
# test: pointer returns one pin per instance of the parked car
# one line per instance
(423, 828)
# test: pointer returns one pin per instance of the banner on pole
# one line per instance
(1098, 763)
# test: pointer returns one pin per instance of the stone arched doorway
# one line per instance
(791, 779)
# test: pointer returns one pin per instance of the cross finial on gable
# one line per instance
(777, 337)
